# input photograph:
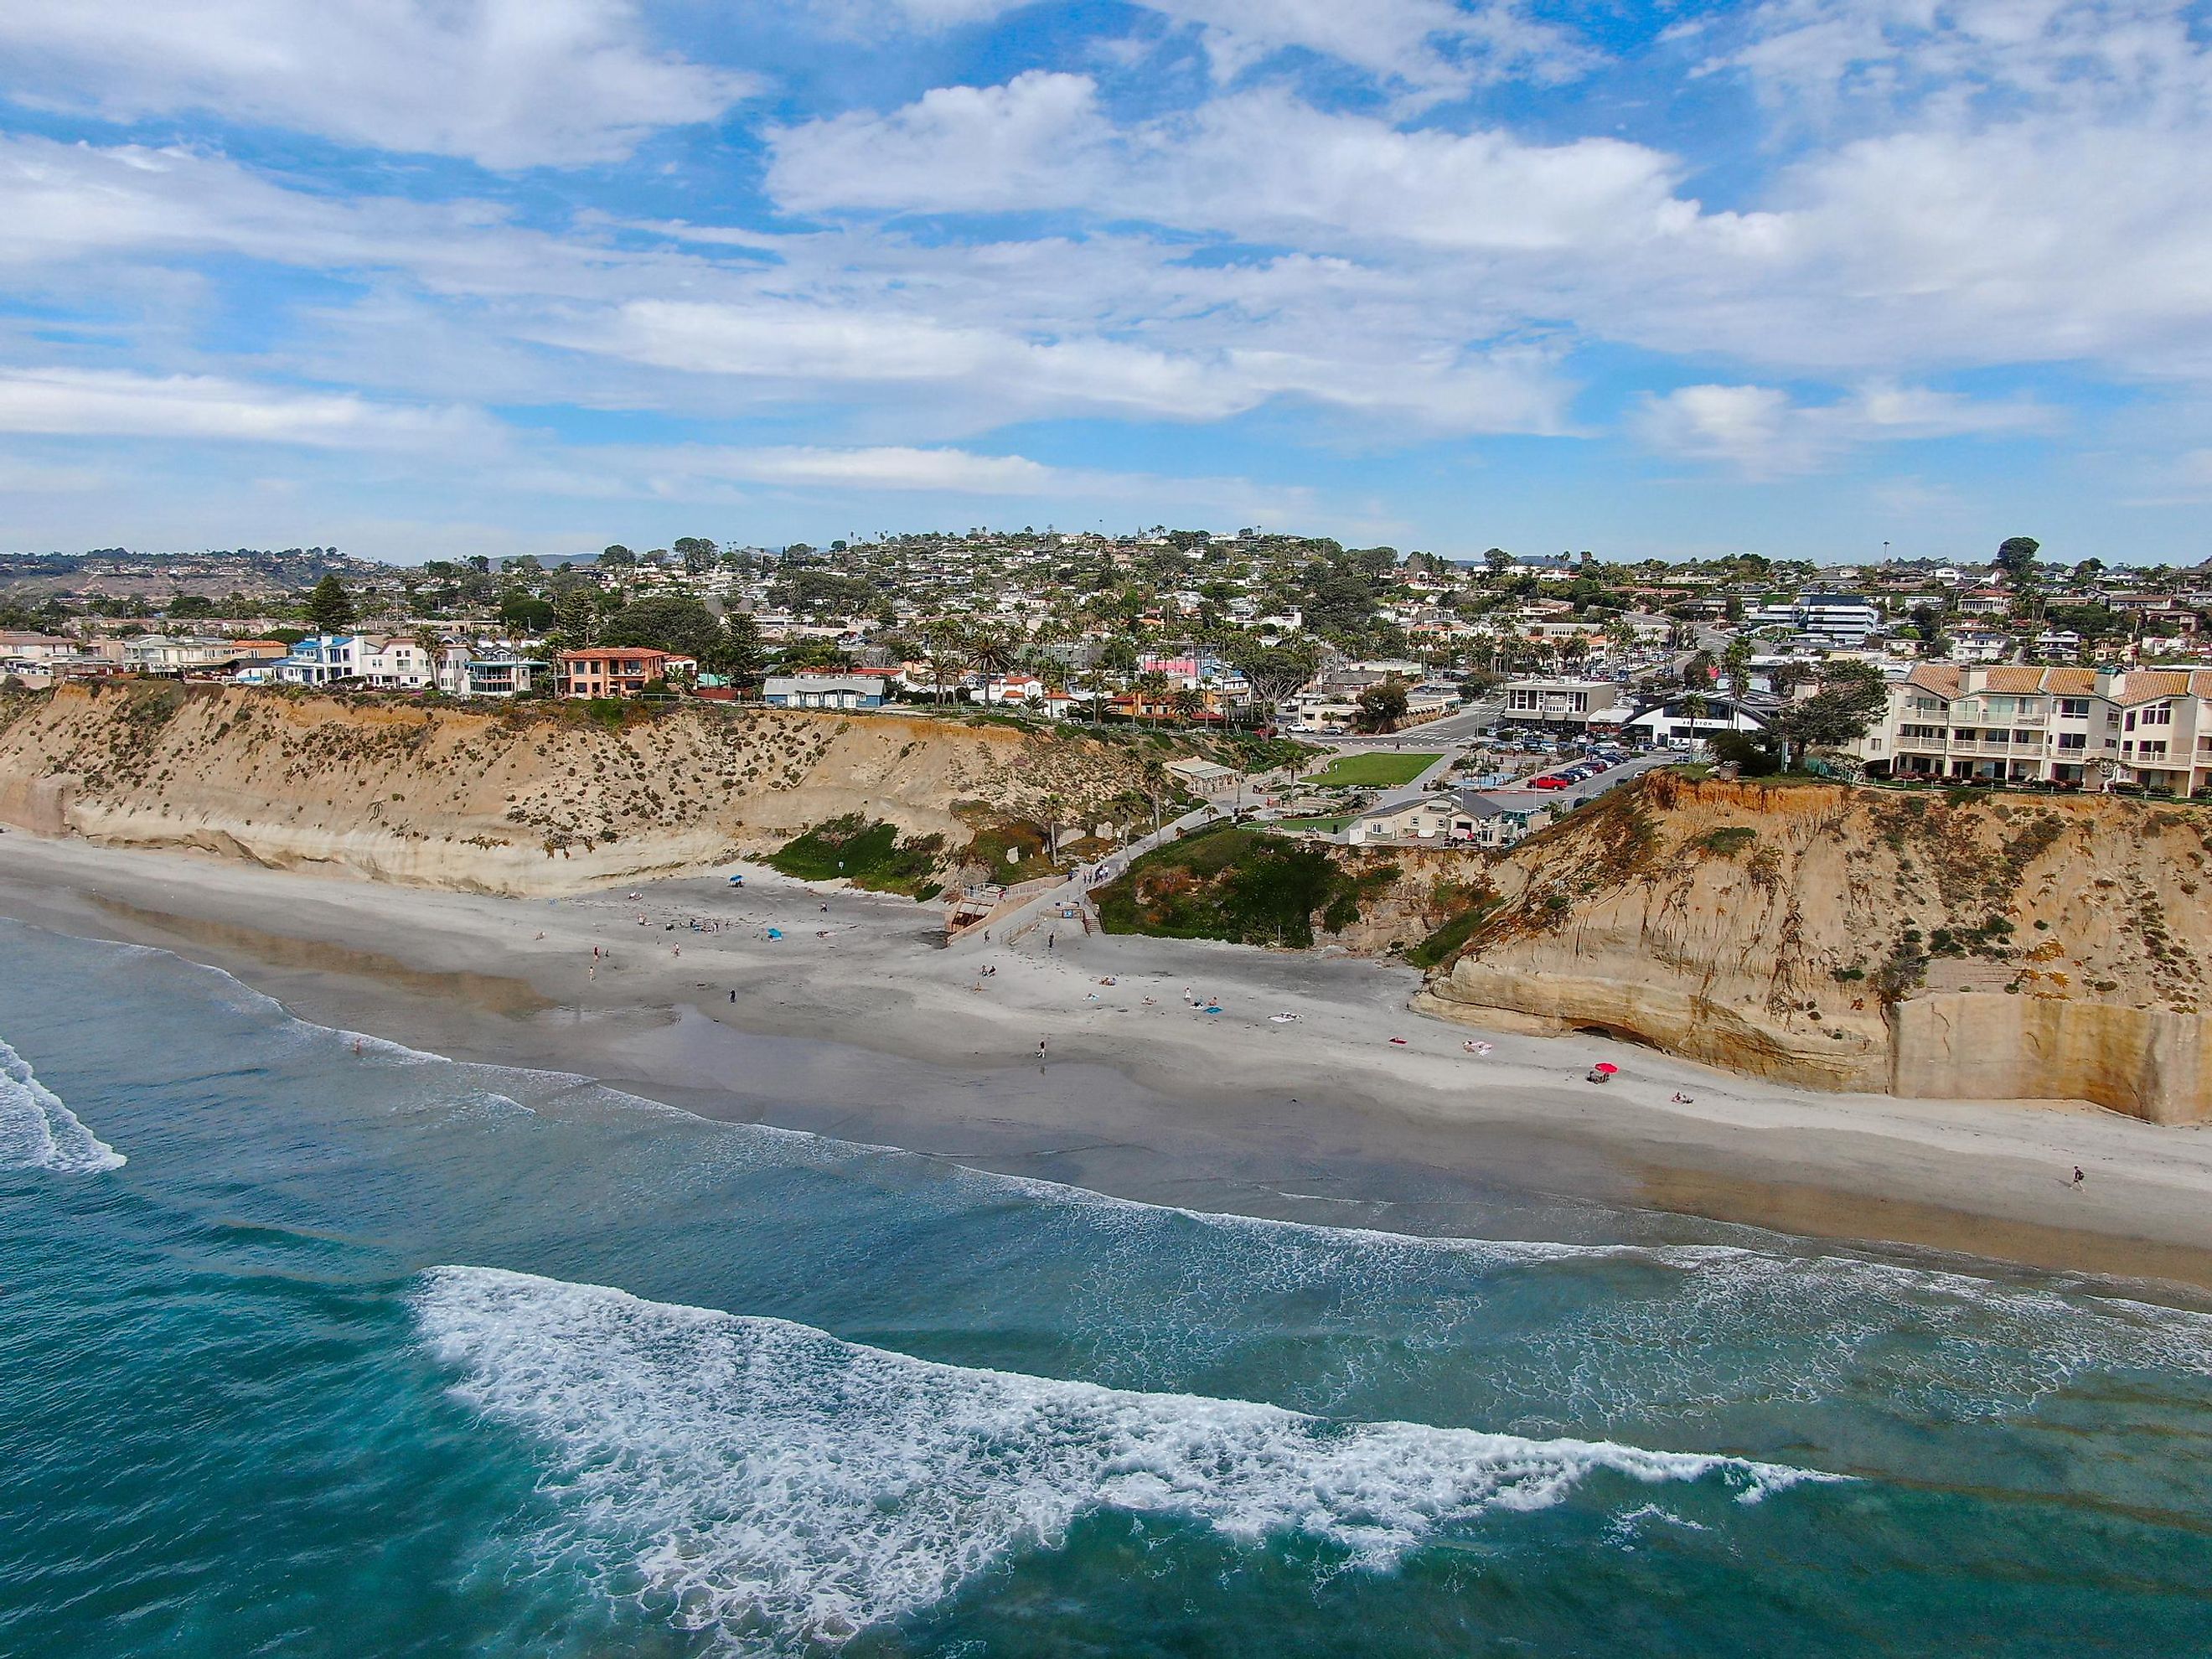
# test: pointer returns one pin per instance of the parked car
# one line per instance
(1549, 781)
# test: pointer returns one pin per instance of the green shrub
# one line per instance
(869, 855)
(1243, 885)
(1727, 842)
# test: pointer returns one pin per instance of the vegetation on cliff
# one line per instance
(1243, 885)
(871, 855)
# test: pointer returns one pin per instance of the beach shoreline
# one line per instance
(859, 1023)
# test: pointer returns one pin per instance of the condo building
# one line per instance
(2072, 727)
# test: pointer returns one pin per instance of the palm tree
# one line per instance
(1189, 704)
(990, 654)
(1694, 707)
(428, 643)
(1150, 688)
(945, 669)
(1736, 659)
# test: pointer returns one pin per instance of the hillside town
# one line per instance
(1518, 682)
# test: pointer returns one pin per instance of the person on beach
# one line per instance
(1041, 1041)
(2078, 1176)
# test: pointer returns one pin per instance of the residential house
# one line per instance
(1436, 817)
(618, 672)
(1982, 645)
(319, 660)
(825, 690)
(498, 672)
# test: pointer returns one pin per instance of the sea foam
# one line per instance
(769, 1482)
(37, 1132)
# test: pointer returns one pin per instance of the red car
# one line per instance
(1548, 781)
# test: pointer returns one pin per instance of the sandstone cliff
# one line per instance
(1865, 939)
(534, 798)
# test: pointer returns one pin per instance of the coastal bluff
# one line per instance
(532, 798)
(1933, 944)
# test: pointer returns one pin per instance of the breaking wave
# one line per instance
(768, 1482)
(37, 1132)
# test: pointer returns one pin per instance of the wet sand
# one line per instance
(859, 1023)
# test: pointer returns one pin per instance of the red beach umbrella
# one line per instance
(1605, 1068)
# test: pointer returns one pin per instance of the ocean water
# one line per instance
(310, 1345)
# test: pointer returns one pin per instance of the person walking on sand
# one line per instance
(2078, 1176)
(1041, 1043)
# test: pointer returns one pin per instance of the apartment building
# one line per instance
(2068, 726)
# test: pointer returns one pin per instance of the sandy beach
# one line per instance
(859, 1022)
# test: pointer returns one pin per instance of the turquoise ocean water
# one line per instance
(310, 1346)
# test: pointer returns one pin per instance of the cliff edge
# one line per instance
(533, 798)
(1934, 946)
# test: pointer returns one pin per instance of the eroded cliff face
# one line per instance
(2029, 947)
(531, 800)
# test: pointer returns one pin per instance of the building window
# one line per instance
(2028, 739)
(2159, 714)
(2154, 747)
(2078, 740)
(2074, 708)
(1964, 734)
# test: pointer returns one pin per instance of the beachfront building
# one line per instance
(825, 690)
(2071, 727)
(462, 672)
(1434, 817)
(619, 671)
(395, 665)
(320, 659)
(1693, 717)
(32, 647)
(1571, 705)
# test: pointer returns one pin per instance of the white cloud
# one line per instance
(113, 403)
(955, 149)
(509, 83)
(1763, 432)
(1256, 165)
(1428, 46)
(1018, 375)
(882, 467)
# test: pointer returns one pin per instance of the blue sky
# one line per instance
(432, 277)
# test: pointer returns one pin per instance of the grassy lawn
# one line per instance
(1384, 769)
(1328, 826)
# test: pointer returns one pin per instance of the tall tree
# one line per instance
(1737, 660)
(330, 608)
(1852, 694)
(1381, 706)
(2015, 559)
(1273, 671)
(683, 626)
(743, 656)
